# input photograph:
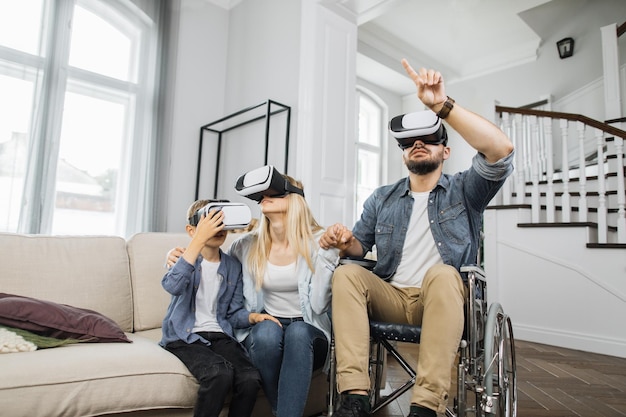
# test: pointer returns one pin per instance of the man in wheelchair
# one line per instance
(425, 227)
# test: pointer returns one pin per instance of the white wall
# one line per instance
(263, 64)
(555, 289)
(195, 96)
(231, 59)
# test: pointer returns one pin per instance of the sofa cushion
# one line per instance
(147, 254)
(103, 378)
(82, 271)
(58, 320)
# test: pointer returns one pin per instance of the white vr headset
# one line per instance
(265, 182)
(236, 215)
(422, 125)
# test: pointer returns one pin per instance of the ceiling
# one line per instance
(461, 38)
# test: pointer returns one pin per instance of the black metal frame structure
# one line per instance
(269, 112)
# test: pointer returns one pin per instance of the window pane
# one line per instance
(368, 176)
(369, 122)
(15, 116)
(99, 47)
(89, 162)
(20, 24)
(65, 146)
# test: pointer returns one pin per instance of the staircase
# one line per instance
(555, 236)
(569, 171)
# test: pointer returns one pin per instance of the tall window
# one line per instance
(77, 80)
(370, 148)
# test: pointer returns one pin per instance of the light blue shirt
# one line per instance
(313, 287)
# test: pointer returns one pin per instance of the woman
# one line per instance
(286, 275)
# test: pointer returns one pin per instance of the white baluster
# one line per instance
(542, 150)
(547, 128)
(519, 160)
(535, 167)
(565, 201)
(527, 150)
(582, 174)
(506, 188)
(602, 224)
(621, 191)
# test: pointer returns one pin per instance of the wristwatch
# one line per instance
(445, 110)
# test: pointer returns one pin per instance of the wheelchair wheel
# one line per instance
(500, 395)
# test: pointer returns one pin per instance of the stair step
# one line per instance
(559, 224)
(576, 179)
(606, 245)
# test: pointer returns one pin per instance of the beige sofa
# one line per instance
(122, 280)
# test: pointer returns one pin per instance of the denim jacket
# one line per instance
(455, 208)
(313, 288)
(183, 280)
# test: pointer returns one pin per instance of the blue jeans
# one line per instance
(218, 367)
(286, 358)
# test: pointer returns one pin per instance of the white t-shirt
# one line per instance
(419, 252)
(206, 298)
(280, 291)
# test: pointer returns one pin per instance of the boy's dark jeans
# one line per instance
(218, 367)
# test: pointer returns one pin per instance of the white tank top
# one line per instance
(280, 291)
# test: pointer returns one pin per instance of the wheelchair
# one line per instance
(486, 384)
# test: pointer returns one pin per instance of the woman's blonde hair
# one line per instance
(300, 228)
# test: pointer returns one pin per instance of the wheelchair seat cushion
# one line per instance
(395, 331)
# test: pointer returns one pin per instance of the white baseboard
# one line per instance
(554, 337)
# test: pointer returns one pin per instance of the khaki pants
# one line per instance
(360, 295)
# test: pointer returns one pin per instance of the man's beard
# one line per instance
(422, 167)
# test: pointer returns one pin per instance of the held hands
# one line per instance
(337, 236)
(255, 318)
(430, 87)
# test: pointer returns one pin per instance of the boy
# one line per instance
(207, 303)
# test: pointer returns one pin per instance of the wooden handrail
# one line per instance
(621, 29)
(569, 116)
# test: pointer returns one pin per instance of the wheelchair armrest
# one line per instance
(478, 272)
(364, 262)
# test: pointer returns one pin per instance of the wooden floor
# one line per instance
(552, 382)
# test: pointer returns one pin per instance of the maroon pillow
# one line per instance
(60, 321)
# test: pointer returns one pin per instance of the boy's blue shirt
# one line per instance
(182, 282)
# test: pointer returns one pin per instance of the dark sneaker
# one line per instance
(418, 411)
(352, 407)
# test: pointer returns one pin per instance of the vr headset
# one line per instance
(422, 125)
(236, 215)
(265, 182)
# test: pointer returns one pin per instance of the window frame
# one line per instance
(52, 78)
(382, 150)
